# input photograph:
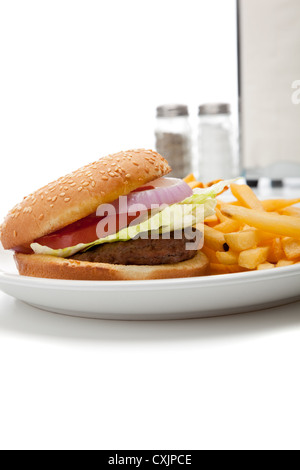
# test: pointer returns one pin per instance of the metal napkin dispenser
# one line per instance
(269, 65)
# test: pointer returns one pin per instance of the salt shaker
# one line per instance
(173, 138)
(217, 154)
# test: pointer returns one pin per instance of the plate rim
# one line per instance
(7, 278)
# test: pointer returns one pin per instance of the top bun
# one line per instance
(79, 194)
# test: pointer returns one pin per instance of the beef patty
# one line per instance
(149, 252)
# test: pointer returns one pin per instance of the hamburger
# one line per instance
(120, 218)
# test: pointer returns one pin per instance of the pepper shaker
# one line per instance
(173, 138)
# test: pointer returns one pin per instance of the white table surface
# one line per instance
(220, 383)
(230, 382)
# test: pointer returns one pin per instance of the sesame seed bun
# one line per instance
(79, 194)
(58, 268)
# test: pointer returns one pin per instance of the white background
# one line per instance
(79, 80)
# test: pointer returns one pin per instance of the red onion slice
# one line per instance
(165, 191)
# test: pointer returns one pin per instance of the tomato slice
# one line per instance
(85, 231)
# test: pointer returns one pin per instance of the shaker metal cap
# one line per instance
(214, 109)
(172, 110)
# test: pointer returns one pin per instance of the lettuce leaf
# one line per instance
(188, 213)
(201, 195)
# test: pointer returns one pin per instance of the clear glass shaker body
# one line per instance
(217, 154)
(173, 138)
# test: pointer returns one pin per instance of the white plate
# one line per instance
(154, 300)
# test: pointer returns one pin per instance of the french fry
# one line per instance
(265, 266)
(265, 237)
(189, 178)
(248, 234)
(241, 241)
(211, 254)
(283, 225)
(228, 259)
(246, 196)
(212, 220)
(213, 239)
(291, 248)
(284, 263)
(277, 205)
(217, 269)
(276, 252)
(235, 203)
(221, 217)
(250, 259)
(195, 184)
(291, 211)
(228, 226)
(236, 269)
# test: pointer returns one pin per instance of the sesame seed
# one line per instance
(62, 194)
(41, 217)
(67, 199)
(112, 174)
(135, 163)
(93, 184)
(51, 205)
(53, 189)
(72, 185)
(128, 176)
(54, 198)
(85, 184)
(102, 172)
(105, 178)
(49, 199)
(15, 234)
(66, 188)
(80, 188)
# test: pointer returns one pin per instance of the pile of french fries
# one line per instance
(249, 234)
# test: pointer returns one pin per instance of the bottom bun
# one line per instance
(59, 268)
